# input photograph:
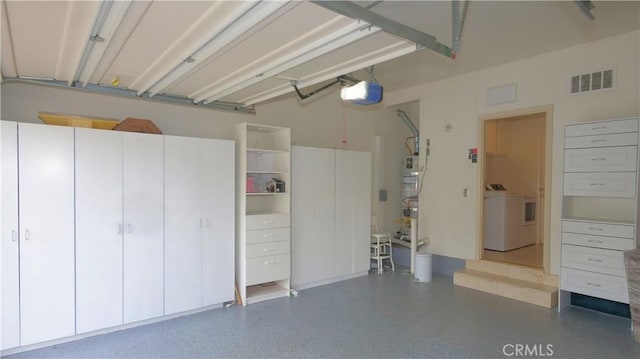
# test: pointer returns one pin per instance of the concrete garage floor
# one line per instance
(382, 316)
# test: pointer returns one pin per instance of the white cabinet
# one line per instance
(99, 229)
(600, 208)
(263, 185)
(313, 214)
(199, 222)
(46, 232)
(353, 211)
(143, 206)
(10, 330)
(119, 228)
(83, 229)
(330, 215)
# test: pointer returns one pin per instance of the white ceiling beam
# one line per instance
(9, 68)
(208, 25)
(136, 11)
(355, 11)
(276, 53)
(105, 26)
(78, 23)
(349, 34)
(387, 53)
(236, 28)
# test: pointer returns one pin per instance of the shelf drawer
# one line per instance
(609, 159)
(268, 235)
(266, 221)
(602, 128)
(599, 229)
(594, 284)
(614, 243)
(598, 260)
(268, 269)
(268, 249)
(618, 139)
(616, 184)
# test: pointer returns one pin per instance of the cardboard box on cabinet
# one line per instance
(138, 125)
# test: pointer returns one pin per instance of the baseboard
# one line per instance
(49, 343)
(300, 287)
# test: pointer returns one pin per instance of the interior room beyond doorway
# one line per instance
(514, 189)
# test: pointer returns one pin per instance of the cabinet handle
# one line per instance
(199, 223)
(594, 284)
(599, 128)
(598, 159)
(594, 241)
(269, 249)
(267, 222)
(119, 228)
(27, 234)
(594, 260)
(129, 228)
(268, 235)
(599, 140)
(595, 229)
(14, 236)
(269, 262)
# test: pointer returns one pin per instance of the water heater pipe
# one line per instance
(414, 130)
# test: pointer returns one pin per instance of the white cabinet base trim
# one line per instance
(105, 331)
(329, 281)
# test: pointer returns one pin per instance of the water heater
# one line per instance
(410, 166)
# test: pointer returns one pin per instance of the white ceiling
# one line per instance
(226, 51)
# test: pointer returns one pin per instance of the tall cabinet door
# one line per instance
(143, 209)
(218, 212)
(47, 232)
(303, 213)
(10, 329)
(353, 213)
(324, 205)
(361, 173)
(183, 223)
(98, 169)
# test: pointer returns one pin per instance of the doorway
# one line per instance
(515, 174)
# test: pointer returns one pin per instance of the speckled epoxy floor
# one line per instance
(382, 316)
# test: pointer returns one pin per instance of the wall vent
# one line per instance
(599, 80)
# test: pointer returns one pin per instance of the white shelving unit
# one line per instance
(263, 259)
(599, 209)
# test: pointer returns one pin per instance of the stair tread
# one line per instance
(509, 280)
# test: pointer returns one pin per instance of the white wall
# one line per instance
(321, 121)
(450, 219)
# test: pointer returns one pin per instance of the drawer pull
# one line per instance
(594, 284)
(596, 184)
(269, 249)
(598, 159)
(268, 235)
(599, 128)
(269, 262)
(595, 229)
(267, 222)
(594, 260)
(594, 241)
(599, 140)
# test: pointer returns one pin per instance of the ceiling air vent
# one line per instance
(599, 80)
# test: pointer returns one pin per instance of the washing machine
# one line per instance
(503, 214)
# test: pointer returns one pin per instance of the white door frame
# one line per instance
(546, 233)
